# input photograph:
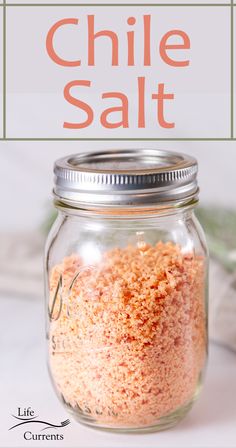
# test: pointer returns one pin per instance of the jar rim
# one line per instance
(125, 177)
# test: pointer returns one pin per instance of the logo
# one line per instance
(26, 418)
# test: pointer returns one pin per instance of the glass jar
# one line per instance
(126, 288)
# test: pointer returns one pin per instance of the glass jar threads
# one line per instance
(126, 287)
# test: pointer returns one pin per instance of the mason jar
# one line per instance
(126, 288)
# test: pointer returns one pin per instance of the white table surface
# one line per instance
(25, 382)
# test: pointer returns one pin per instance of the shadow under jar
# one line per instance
(126, 287)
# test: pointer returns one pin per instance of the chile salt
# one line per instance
(127, 332)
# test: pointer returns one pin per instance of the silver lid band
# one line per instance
(125, 178)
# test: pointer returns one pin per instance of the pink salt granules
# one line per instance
(128, 335)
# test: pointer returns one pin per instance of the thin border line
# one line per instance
(190, 139)
(2, 105)
(4, 70)
(232, 69)
(118, 4)
(231, 5)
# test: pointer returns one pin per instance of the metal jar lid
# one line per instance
(125, 178)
